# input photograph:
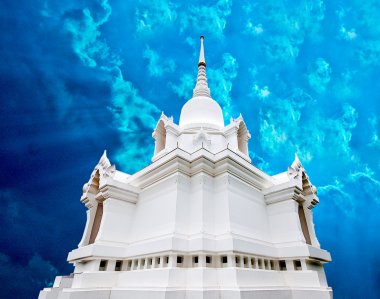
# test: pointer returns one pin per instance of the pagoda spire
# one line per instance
(201, 86)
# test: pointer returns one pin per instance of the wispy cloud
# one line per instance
(347, 34)
(346, 191)
(84, 25)
(375, 129)
(287, 26)
(38, 272)
(207, 19)
(261, 92)
(319, 75)
(253, 29)
(184, 88)
(337, 194)
(366, 178)
(155, 16)
(132, 112)
(157, 65)
(280, 123)
(152, 15)
(221, 82)
(369, 52)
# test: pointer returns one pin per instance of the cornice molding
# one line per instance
(123, 194)
(200, 161)
(283, 194)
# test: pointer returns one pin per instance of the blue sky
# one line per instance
(78, 77)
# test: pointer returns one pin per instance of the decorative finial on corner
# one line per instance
(296, 163)
(104, 161)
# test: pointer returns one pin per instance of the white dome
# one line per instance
(201, 111)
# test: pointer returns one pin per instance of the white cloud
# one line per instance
(293, 124)
(185, 87)
(261, 92)
(369, 53)
(366, 178)
(131, 112)
(157, 66)
(344, 192)
(211, 18)
(374, 128)
(220, 82)
(347, 34)
(253, 29)
(319, 75)
(288, 26)
(152, 15)
(281, 48)
(336, 193)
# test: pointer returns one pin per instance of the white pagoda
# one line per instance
(199, 222)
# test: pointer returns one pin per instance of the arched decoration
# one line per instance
(165, 135)
(102, 171)
(303, 222)
(308, 200)
(242, 138)
(160, 137)
(98, 210)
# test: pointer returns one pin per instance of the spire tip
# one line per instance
(202, 60)
(201, 87)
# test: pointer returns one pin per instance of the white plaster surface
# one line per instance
(199, 222)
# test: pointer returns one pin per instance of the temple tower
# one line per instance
(199, 222)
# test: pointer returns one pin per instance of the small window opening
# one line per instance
(142, 262)
(253, 262)
(245, 261)
(179, 259)
(158, 260)
(224, 259)
(271, 265)
(195, 260)
(297, 265)
(237, 260)
(103, 265)
(208, 259)
(282, 266)
(135, 264)
(118, 265)
(166, 260)
(150, 262)
(260, 262)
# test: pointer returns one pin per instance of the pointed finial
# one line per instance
(104, 160)
(201, 87)
(202, 60)
(296, 163)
